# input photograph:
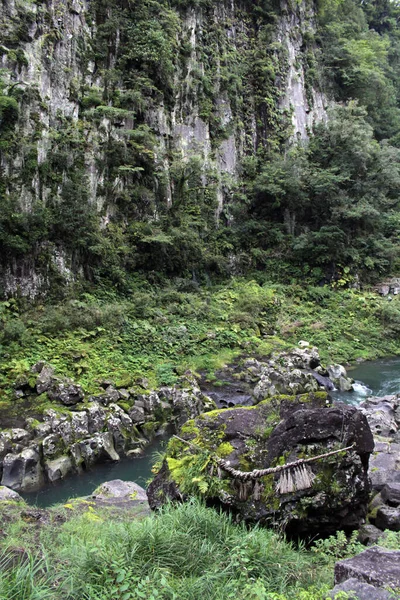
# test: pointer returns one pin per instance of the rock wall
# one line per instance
(240, 81)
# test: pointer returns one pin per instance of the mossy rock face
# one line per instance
(277, 431)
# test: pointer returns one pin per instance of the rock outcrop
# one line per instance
(383, 415)
(298, 371)
(325, 496)
(79, 431)
(198, 102)
(375, 566)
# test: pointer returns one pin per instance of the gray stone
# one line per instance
(382, 469)
(66, 392)
(22, 471)
(369, 534)
(44, 379)
(391, 493)
(336, 371)
(59, 468)
(98, 448)
(120, 489)
(107, 398)
(6, 494)
(357, 590)
(137, 414)
(80, 424)
(377, 566)
(52, 445)
(124, 394)
(20, 436)
(96, 417)
(388, 517)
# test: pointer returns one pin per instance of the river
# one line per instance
(377, 378)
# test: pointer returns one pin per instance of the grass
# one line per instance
(184, 552)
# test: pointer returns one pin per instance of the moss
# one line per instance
(149, 429)
(224, 449)
(269, 495)
(190, 429)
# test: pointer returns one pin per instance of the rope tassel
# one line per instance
(292, 480)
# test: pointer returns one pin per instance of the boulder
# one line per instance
(23, 471)
(338, 374)
(391, 494)
(357, 590)
(66, 392)
(96, 417)
(376, 566)
(52, 446)
(369, 535)
(59, 468)
(98, 448)
(126, 490)
(384, 466)
(6, 494)
(383, 415)
(45, 377)
(332, 494)
(388, 517)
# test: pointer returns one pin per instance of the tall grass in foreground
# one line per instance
(187, 552)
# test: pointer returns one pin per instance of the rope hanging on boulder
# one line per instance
(295, 476)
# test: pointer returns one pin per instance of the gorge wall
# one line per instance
(115, 113)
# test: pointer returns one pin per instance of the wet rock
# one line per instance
(357, 590)
(376, 566)
(388, 517)
(120, 489)
(279, 431)
(6, 494)
(59, 468)
(22, 471)
(338, 374)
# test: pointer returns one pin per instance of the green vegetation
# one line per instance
(186, 552)
(327, 210)
(157, 333)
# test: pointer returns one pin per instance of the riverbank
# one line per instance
(150, 337)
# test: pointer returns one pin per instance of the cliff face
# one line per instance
(123, 105)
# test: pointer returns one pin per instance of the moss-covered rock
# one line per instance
(277, 431)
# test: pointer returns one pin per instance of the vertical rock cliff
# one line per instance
(113, 112)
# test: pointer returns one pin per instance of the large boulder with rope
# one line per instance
(238, 459)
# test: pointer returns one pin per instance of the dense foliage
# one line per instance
(323, 207)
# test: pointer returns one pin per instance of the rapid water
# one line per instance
(373, 378)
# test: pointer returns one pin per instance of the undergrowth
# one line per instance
(185, 552)
(152, 335)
